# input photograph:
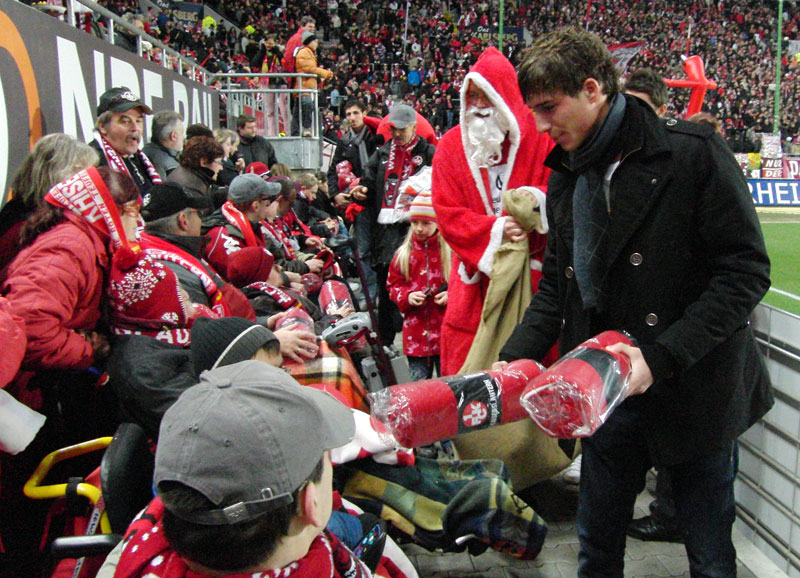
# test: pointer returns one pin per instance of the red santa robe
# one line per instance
(470, 221)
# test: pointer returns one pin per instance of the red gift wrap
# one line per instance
(422, 412)
(576, 394)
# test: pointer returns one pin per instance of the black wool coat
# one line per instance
(686, 266)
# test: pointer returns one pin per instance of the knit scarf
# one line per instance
(357, 139)
(117, 163)
(147, 554)
(399, 167)
(281, 237)
(590, 210)
(164, 251)
(236, 218)
(86, 194)
(281, 297)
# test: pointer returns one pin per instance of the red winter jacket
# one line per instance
(55, 285)
(421, 325)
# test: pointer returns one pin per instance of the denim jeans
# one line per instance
(422, 367)
(614, 466)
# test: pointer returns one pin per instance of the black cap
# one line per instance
(220, 342)
(120, 99)
(167, 199)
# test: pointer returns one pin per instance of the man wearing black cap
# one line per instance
(237, 224)
(384, 181)
(120, 125)
(173, 235)
(244, 484)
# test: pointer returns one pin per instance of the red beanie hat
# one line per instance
(249, 265)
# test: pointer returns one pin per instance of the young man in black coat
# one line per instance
(652, 231)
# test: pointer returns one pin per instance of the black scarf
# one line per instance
(590, 212)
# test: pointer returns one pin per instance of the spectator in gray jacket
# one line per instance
(166, 141)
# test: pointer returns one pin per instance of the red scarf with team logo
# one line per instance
(398, 168)
(164, 251)
(86, 194)
(236, 218)
(147, 554)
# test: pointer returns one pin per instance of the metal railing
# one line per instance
(289, 117)
(170, 58)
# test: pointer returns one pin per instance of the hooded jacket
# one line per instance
(467, 219)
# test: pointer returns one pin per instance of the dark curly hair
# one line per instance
(199, 149)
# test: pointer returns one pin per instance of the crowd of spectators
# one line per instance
(363, 44)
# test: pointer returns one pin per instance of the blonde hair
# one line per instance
(306, 180)
(403, 255)
(280, 170)
(54, 158)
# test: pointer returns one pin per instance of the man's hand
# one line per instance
(293, 277)
(441, 298)
(359, 192)
(416, 298)
(499, 365)
(314, 243)
(315, 265)
(513, 231)
(342, 199)
(641, 377)
(298, 345)
(240, 165)
(99, 343)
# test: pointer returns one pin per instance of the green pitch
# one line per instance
(782, 235)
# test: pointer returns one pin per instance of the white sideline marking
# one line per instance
(785, 294)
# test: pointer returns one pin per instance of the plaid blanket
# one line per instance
(439, 503)
(335, 369)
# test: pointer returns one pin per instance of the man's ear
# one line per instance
(183, 221)
(593, 89)
(309, 505)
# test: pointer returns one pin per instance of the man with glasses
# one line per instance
(237, 224)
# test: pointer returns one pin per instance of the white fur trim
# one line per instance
(541, 199)
(513, 132)
(495, 240)
(466, 279)
(536, 265)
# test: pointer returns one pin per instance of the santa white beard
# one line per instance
(486, 131)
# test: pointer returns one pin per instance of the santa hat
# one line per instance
(422, 208)
(144, 293)
(249, 265)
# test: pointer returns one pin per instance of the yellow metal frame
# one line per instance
(35, 491)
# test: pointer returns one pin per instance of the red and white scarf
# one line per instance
(147, 553)
(117, 163)
(281, 297)
(276, 229)
(236, 218)
(86, 194)
(400, 165)
(164, 251)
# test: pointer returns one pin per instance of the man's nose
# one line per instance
(541, 124)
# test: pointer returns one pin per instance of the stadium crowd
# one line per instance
(363, 46)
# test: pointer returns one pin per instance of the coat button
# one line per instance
(672, 122)
(654, 181)
(636, 259)
(569, 272)
(651, 319)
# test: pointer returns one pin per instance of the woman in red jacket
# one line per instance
(55, 285)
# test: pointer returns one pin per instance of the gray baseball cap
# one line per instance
(246, 437)
(249, 187)
(402, 115)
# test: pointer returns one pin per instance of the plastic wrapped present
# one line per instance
(422, 412)
(576, 394)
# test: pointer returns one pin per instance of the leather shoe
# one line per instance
(651, 530)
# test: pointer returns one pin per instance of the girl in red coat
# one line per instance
(417, 282)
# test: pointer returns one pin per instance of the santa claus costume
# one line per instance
(467, 199)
